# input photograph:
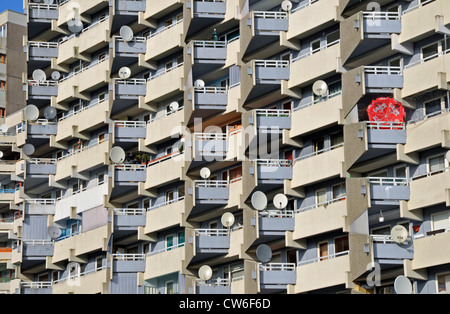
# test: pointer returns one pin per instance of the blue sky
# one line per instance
(15, 5)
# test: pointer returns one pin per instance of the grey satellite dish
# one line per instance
(124, 73)
(264, 253)
(259, 200)
(4, 128)
(54, 232)
(75, 26)
(402, 285)
(56, 75)
(50, 113)
(39, 75)
(199, 84)
(227, 219)
(117, 154)
(280, 201)
(320, 88)
(31, 112)
(205, 273)
(126, 33)
(28, 149)
(399, 234)
(286, 5)
(205, 173)
(174, 106)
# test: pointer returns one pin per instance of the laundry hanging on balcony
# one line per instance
(386, 109)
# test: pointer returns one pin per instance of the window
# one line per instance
(179, 60)
(338, 190)
(169, 196)
(213, 225)
(315, 46)
(323, 250)
(100, 178)
(3, 30)
(319, 145)
(180, 191)
(430, 52)
(58, 194)
(168, 22)
(435, 106)
(101, 97)
(169, 242)
(101, 57)
(436, 163)
(146, 203)
(400, 172)
(335, 87)
(333, 37)
(443, 282)
(440, 221)
(234, 272)
(180, 235)
(98, 262)
(101, 138)
(2, 58)
(76, 187)
(179, 17)
(133, 205)
(169, 287)
(74, 228)
(341, 244)
(321, 196)
(336, 139)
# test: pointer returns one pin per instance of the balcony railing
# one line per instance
(322, 258)
(313, 51)
(212, 232)
(40, 44)
(36, 284)
(166, 203)
(305, 5)
(390, 70)
(274, 162)
(92, 64)
(165, 71)
(328, 202)
(42, 161)
(327, 149)
(130, 124)
(430, 173)
(79, 150)
(41, 201)
(209, 44)
(83, 108)
(162, 29)
(129, 211)
(169, 248)
(210, 136)
(42, 83)
(70, 277)
(277, 214)
(388, 181)
(64, 39)
(270, 15)
(272, 63)
(417, 6)
(133, 81)
(377, 15)
(8, 191)
(430, 115)
(163, 158)
(277, 267)
(385, 125)
(273, 112)
(38, 242)
(211, 90)
(168, 113)
(128, 257)
(385, 239)
(211, 183)
(423, 60)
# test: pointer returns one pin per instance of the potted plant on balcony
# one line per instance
(143, 158)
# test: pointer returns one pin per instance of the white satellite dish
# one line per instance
(39, 75)
(28, 149)
(75, 26)
(447, 156)
(399, 234)
(320, 88)
(1, 154)
(4, 128)
(259, 200)
(31, 112)
(56, 75)
(126, 33)
(205, 173)
(227, 219)
(264, 253)
(205, 273)
(117, 154)
(54, 232)
(199, 84)
(402, 285)
(286, 5)
(50, 113)
(124, 73)
(280, 201)
(174, 106)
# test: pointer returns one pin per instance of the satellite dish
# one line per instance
(259, 200)
(117, 154)
(205, 173)
(4, 128)
(124, 73)
(39, 75)
(50, 113)
(75, 26)
(227, 219)
(447, 156)
(205, 273)
(56, 75)
(402, 285)
(264, 253)
(31, 112)
(199, 84)
(280, 201)
(399, 234)
(28, 149)
(174, 106)
(126, 33)
(54, 232)
(320, 88)
(1, 154)
(286, 5)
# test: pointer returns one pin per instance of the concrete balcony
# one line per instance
(200, 14)
(126, 53)
(8, 195)
(429, 252)
(206, 56)
(36, 287)
(41, 128)
(318, 166)
(129, 131)
(165, 215)
(368, 31)
(165, 170)
(310, 118)
(37, 249)
(430, 189)
(128, 263)
(164, 261)
(130, 173)
(42, 90)
(209, 194)
(386, 251)
(212, 241)
(273, 171)
(165, 84)
(130, 7)
(41, 166)
(163, 125)
(363, 81)
(42, 51)
(275, 119)
(43, 12)
(93, 281)
(315, 64)
(129, 218)
(300, 23)
(369, 140)
(275, 222)
(173, 41)
(210, 146)
(329, 215)
(85, 8)
(388, 191)
(220, 286)
(276, 276)
(210, 98)
(40, 206)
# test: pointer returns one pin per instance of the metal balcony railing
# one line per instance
(277, 214)
(277, 267)
(210, 136)
(211, 90)
(274, 162)
(64, 39)
(130, 124)
(272, 63)
(385, 125)
(169, 248)
(129, 211)
(273, 113)
(38, 242)
(383, 70)
(163, 29)
(165, 71)
(42, 161)
(41, 201)
(79, 150)
(166, 114)
(36, 284)
(42, 83)
(163, 158)
(417, 6)
(82, 69)
(388, 181)
(83, 108)
(212, 232)
(313, 51)
(166, 203)
(40, 44)
(270, 15)
(128, 257)
(133, 81)
(322, 258)
(318, 152)
(211, 183)
(430, 173)
(376, 15)
(328, 202)
(305, 5)
(209, 44)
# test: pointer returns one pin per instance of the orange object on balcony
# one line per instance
(5, 250)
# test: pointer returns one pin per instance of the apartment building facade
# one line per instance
(155, 118)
